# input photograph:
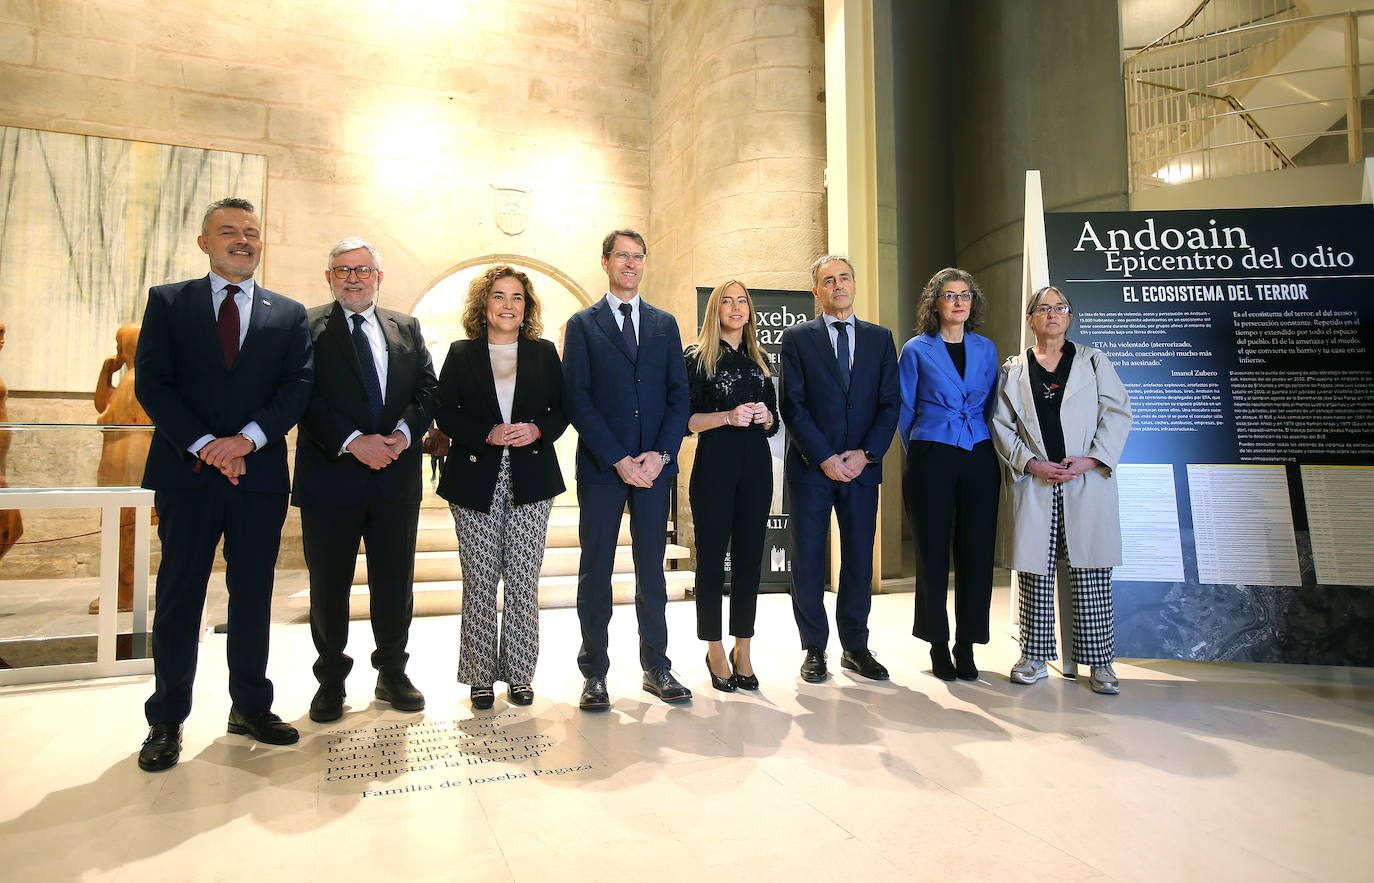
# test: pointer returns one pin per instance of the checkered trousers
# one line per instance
(505, 546)
(1093, 623)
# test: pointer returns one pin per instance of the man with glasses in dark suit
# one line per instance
(625, 390)
(359, 473)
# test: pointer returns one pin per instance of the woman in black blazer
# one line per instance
(500, 401)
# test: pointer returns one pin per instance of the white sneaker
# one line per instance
(1028, 671)
(1103, 680)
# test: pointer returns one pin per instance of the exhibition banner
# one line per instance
(775, 310)
(1247, 484)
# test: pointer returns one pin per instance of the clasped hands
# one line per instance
(844, 467)
(747, 413)
(1066, 470)
(516, 435)
(640, 471)
(226, 454)
(378, 451)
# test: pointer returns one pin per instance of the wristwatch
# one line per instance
(872, 460)
(665, 457)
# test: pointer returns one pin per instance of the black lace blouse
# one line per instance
(738, 379)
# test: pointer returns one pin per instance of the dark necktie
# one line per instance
(627, 330)
(228, 324)
(842, 352)
(374, 386)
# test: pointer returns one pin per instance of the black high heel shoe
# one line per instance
(725, 685)
(482, 698)
(744, 682)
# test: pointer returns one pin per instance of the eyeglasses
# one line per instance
(344, 272)
(951, 296)
(1046, 309)
(624, 256)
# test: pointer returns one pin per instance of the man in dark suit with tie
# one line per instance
(625, 390)
(358, 474)
(840, 403)
(224, 370)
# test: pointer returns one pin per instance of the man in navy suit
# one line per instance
(358, 474)
(224, 368)
(625, 390)
(840, 402)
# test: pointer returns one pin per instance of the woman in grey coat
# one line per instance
(1059, 425)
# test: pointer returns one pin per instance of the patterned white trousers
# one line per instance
(506, 545)
(1093, 619)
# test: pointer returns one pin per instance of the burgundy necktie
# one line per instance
(229, 326)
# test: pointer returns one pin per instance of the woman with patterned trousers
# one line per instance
(500, 401)
(734, 412)
(1059, 424)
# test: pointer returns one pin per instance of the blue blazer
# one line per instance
(823, 418)
(182, 382)
(622, 406)
(938, 404)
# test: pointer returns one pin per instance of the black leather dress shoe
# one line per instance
(594, 696)
(161, 749)
(964, 666)
(482, 698)
(520, 694)
(396, 688)
(862, 662)
(661, 683)
(263, 726)
(328, 703)
(744, 682)
(813, 667)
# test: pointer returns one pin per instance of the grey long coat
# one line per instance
(1096, 414)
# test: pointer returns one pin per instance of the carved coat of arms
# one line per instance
(512, 209)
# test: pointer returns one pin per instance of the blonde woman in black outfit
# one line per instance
(734, 412)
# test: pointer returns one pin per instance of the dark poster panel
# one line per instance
(1244, 339)
(774, 310)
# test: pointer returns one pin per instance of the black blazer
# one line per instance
(338, 407)
(468, 410)
(183, 383)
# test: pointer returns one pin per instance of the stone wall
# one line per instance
(392, 121)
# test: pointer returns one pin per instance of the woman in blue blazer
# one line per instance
(951, 481)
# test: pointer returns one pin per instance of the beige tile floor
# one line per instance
(1196, 772)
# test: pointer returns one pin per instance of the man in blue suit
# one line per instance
(224, 368)
(840, 401)
(625, 390)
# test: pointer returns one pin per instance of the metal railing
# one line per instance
(1246, 86)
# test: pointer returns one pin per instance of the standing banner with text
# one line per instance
(775, 310)
(1247, 484)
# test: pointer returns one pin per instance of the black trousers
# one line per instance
(330, 537)
(190, 524)
(731, 492)
(952, 493)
